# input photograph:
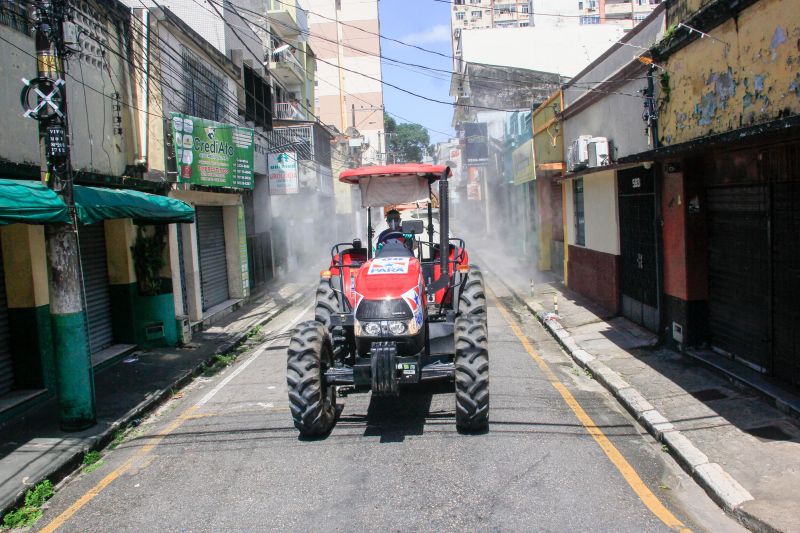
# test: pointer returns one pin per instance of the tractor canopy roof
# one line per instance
(393, 184)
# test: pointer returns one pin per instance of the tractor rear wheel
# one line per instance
(311, 400)
(327, 303)
(471, 374)
(472, 301)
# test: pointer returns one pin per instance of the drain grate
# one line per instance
(707, 395)
(769, 433)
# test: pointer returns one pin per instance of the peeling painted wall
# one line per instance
(747, 73)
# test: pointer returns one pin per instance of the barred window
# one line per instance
(258, 99)
(204, 91)
(15, 14)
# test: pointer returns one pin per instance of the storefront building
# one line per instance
(729, 152)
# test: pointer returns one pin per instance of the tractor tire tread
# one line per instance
(473, 296)
(311, 416)
(327, 303)
(471, 374)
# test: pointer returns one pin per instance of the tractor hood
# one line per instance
(390, 278)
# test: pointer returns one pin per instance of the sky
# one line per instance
(425, 23)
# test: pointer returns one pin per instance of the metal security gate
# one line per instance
(213, 264)
(95, 281)
(739, 273)
(782, 167)
(6, 364)
(638, 246)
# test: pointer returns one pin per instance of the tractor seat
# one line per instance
(394, 248)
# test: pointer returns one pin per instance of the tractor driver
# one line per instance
(394, 226)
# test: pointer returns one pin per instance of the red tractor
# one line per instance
(413, 311)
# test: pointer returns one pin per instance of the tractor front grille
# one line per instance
(383, 310)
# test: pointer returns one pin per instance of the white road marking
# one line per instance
(247, 363)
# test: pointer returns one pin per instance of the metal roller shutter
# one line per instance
(95, 281)
(213, 264)
(738, 273)
(6, 364)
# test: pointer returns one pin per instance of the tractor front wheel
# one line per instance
(472, 301)
(471, 374)
(327, 304)
(311, 400)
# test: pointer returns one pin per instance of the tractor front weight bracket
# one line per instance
(384, 369)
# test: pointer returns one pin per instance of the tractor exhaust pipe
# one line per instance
(444, 230)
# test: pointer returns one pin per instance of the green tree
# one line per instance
(405, 142)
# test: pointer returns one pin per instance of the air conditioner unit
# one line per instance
(578, 153)
(599, 153)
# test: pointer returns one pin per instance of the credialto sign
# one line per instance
(213, 153)
(213, 147)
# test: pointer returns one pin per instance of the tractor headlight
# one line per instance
(397, 327)
(386, 328)
(373, 329)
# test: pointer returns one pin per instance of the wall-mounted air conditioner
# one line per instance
(578, 153)
(599, 153)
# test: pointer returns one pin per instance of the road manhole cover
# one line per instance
(707, 395)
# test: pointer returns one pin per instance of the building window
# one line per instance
(477, 14)
(474, 1)
(14, 13)
(204, 91)
(525, 8)
(590, 19)
(523, 24)
(638, 17)
(580, 6)
(460, 15)
(258, 99)
(580, 219)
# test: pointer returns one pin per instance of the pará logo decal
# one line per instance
(389, 265)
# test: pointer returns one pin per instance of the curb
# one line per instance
(58, 474)
(718, 484)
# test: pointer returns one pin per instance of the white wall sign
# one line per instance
(283, 177)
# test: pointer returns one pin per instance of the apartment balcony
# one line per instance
(286, 68)
(289, 111)
(310, 141)
(288, 18)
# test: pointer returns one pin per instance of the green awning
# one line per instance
(95, 204)
(30, 202)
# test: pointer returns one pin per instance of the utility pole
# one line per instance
(68, 318)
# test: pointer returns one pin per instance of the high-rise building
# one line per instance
(484, 14)
(349, 92)
(626, 13)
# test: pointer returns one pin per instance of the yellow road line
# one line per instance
(106, 481)
(631, 477)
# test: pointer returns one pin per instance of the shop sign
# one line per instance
(477, 147)
(282, 168)
(522, 158)
(243, 262)
(473, 183)
(212, 153)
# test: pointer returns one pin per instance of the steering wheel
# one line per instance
(392, 235)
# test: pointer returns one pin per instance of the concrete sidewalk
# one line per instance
(33, 448)
(743, 451)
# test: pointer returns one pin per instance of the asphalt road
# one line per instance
(224, 456)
